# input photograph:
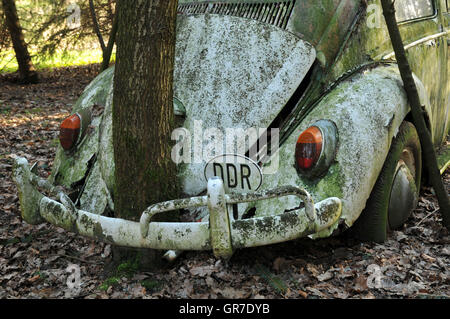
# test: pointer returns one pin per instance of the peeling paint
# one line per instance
(70, 168)
(287, 226)
(29, 197)
(95, 196)
(219, 220)
(192, 236)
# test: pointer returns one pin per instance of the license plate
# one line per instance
(240, 174)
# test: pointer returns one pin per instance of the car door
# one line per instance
(422, 25)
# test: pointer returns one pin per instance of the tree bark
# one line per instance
(27, 72)
(416, 110)
(143, 117)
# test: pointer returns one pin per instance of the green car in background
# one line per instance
(337, 148)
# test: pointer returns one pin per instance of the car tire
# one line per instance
(396, 190)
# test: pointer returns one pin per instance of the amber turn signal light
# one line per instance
(309, 147)
(316, 149)
(69, 131)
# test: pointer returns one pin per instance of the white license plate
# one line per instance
(240, 174)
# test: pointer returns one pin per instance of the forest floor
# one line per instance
(34, 260)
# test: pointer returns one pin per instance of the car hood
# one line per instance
(230, 72)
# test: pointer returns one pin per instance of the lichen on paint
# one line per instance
(71, 167)
(233, 73)
(106, 148)
(29, 197)
(360, 107)
(95, 195)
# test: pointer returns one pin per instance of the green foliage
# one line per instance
(15, 240)
(5, 110)
(151, 285)
(112, 281)
(42, 275)
(275, 282)
(127, 269)
(8, 63)
(52, 41)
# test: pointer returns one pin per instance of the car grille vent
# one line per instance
(275, 13)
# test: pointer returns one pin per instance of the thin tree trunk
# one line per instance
(27, 72)
(109, 48)
(416, 110)
(96, 26)
(143, 106)
(106, 49)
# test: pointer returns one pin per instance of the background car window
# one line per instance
(413, 9)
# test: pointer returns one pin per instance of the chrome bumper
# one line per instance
(222, 233)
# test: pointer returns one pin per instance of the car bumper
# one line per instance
(221, 233)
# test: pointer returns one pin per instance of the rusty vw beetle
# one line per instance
(317, 87)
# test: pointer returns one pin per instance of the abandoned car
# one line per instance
(338, 147)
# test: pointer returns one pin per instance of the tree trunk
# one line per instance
(106, 49)
(416, 110)
(143, 107)
(96, 26)
(27, 72)
(109, 48)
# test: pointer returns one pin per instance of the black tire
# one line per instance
(377, 219)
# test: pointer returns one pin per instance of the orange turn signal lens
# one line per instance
(308, 148)
(69, 131)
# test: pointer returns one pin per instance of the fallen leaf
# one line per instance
(428, 258)
(312, 269)
(202, 271)
(231, 293)
(360, 284)
(34, 278)
(369, 295)
(325, 276)
(106, 251)
(188, 288)
(278, 263)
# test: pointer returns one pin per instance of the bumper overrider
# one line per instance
(221, 233)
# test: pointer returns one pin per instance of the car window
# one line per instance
(413, 9)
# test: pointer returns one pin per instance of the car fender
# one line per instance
(367, 109)
(90, 163)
